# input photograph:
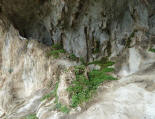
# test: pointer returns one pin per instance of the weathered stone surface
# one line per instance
(21, 92)
(27, 74)
(120, 29)
(80, 24)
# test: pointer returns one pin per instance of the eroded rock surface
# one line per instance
(83, 25)
(122, 29)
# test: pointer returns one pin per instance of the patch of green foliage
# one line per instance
(56, 53)
(57, 46)
(72, 57)
(82, 89)
(31, 116)
(152, 50)
(62, 108)
(56, 50)
(104, 63)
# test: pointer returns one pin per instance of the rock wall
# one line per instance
(26, 73)
(123, 30)
(84, 26)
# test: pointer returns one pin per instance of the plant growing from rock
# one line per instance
(82, 89)
(56, 50)
(152, 50)
(72, 57)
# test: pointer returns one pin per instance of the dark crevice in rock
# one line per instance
(26, 15)
(87, 45)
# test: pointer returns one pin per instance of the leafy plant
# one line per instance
(152, 50)
(82, 89)
(62, 108)
(31, 116)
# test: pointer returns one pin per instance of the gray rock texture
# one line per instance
(26, 74)
(122, 30)
(83, 25)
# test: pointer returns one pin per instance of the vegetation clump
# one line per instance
(56, 50)
(152, 50)
(82, 89)
(61, 108)
(72, 57)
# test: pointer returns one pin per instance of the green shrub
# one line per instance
(62, 108)
(152, 50)
(82, 89)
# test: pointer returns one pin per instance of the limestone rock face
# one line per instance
(83, 25)
(123, 30)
